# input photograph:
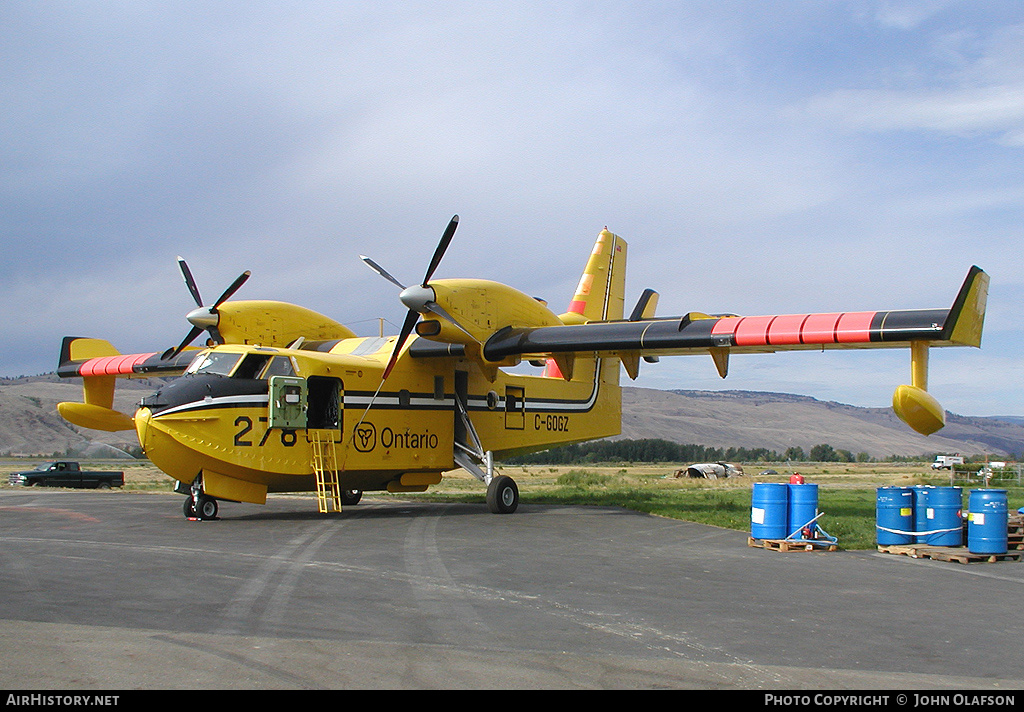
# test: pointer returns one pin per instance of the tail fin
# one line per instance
(600, 294)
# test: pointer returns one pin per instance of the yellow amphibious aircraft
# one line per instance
(283, 399)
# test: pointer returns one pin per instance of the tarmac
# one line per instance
(118, 591)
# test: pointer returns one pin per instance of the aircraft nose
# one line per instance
(142, 416)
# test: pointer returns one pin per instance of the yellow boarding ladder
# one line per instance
(325, 467)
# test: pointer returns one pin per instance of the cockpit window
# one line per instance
(213, 362)
(251, 366)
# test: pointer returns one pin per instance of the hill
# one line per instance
(778, 421)
(30, 424)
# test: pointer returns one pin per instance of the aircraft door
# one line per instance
(325, 404)
(288, 402)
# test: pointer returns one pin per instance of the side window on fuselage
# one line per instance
(279, 366)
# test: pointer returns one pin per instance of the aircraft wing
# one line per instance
(85, 357)
(959, 325)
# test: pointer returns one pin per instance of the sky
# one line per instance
(758, 157)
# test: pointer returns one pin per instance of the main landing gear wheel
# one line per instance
(502, 495)
(350, 497)
(205, 510)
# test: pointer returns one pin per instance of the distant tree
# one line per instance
(824, 453)
(644, 450)
(795, 453)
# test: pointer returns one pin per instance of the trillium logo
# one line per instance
(365, 438)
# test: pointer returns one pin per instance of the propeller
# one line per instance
(419, 298)
(203, 318)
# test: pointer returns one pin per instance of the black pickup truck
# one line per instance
(66, 474)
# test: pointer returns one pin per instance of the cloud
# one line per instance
(909, 15)
(994, 110)
(758, 159)
(963, 83)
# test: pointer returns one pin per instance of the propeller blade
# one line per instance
(410, 321)
(413, 316)
(171, 353)
(190, 282)
(381, 271)
(239, 281)
(207, 320)
(442, 246)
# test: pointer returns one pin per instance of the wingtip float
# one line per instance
(281, 399)
(961, 327)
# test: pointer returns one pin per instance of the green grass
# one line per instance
(848, 511)
(849, 515)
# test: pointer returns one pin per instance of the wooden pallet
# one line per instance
(946, 553)
(1015, 531)
(792, 544)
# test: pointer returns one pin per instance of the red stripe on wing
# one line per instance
(752, 330)
(122, 365)
(795, 329)
(854, 327)
(787, 330)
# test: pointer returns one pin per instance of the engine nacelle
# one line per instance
(481, 308)
(270, 323)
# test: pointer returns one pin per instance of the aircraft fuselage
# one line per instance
(232, 417)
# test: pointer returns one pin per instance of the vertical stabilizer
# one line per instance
(600, 294)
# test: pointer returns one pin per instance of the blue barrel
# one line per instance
(894, 515)
(938, 518)
(987, 522)
(803, 507)
(769, 508)
(921, 512)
